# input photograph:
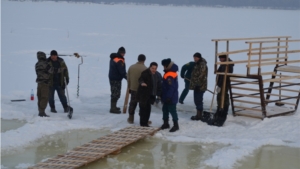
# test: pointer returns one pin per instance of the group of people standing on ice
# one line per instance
(147, 86)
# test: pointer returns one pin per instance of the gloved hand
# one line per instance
(218, 89)
(158, 99)
(63, 86)
(168, 101)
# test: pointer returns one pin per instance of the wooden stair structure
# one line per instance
(97, 149)
(268, 77)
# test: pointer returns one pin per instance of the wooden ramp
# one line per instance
(96, 149)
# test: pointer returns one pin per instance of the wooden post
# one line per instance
(249, 58)
(126, 101)
(286, 49)
(224, 84)
(278, 44)
(262, 97)
(212, 101)
(216, 56)
(259, 59)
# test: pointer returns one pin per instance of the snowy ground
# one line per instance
(95, 31)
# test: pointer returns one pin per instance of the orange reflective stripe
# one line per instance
(172, 74)
(118, 59)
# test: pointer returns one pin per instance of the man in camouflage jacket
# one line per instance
(199, 83)
(43, 71)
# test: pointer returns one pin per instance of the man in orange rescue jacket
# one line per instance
(117, 71)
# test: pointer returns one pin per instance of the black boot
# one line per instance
(198, 116)
(130, 119)
(113, 106)
(66, 109)
(53, 110)
(175, 127)
(43, 114)
(165, 125)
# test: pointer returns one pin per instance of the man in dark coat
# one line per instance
(186, 73)
(148, 90)
(57, 81)
(221, 114)
(199, 84)
(170, 94)
(117, 71)
(43, 71)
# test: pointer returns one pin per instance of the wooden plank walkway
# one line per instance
(96, 149)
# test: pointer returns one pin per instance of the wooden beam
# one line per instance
(253, 49)
(273, 41)
(276, 52)
(273, 63)
(237, 39)
(244, 101)
(246, 61)
(246, 82)
(273, 94)
(248, 108)
(245, 95)
(284, 89)
(281, 79)
(244, 88)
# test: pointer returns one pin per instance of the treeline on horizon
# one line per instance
(274, 4)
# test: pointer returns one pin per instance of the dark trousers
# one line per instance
(133, 102)
(42, 96)
(61, 94)
(226, 98)
(145, 110)
(169, 108)
(198, 99)
(115, 89)
(185, 90)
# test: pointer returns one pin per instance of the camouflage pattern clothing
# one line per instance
(115, 88)
(43, 71)
(199, 76)
(60, 72)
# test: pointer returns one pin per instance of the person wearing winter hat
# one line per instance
(117, 71)
(169, 95)
(221, 114)
(57, 81)
(198, 83)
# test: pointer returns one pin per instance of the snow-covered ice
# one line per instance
(95, 31)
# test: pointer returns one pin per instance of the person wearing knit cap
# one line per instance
(133, 75)
(57, 81)
(220, 116)
(117, 72)
(169, 95)
(198, 83)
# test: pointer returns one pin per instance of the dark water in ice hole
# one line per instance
(148, 153)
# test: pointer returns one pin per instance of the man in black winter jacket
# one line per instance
(57, 81)
(221, 114)
(148, 90)
(117, 71)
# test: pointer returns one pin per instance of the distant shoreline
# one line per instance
(282, 5)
